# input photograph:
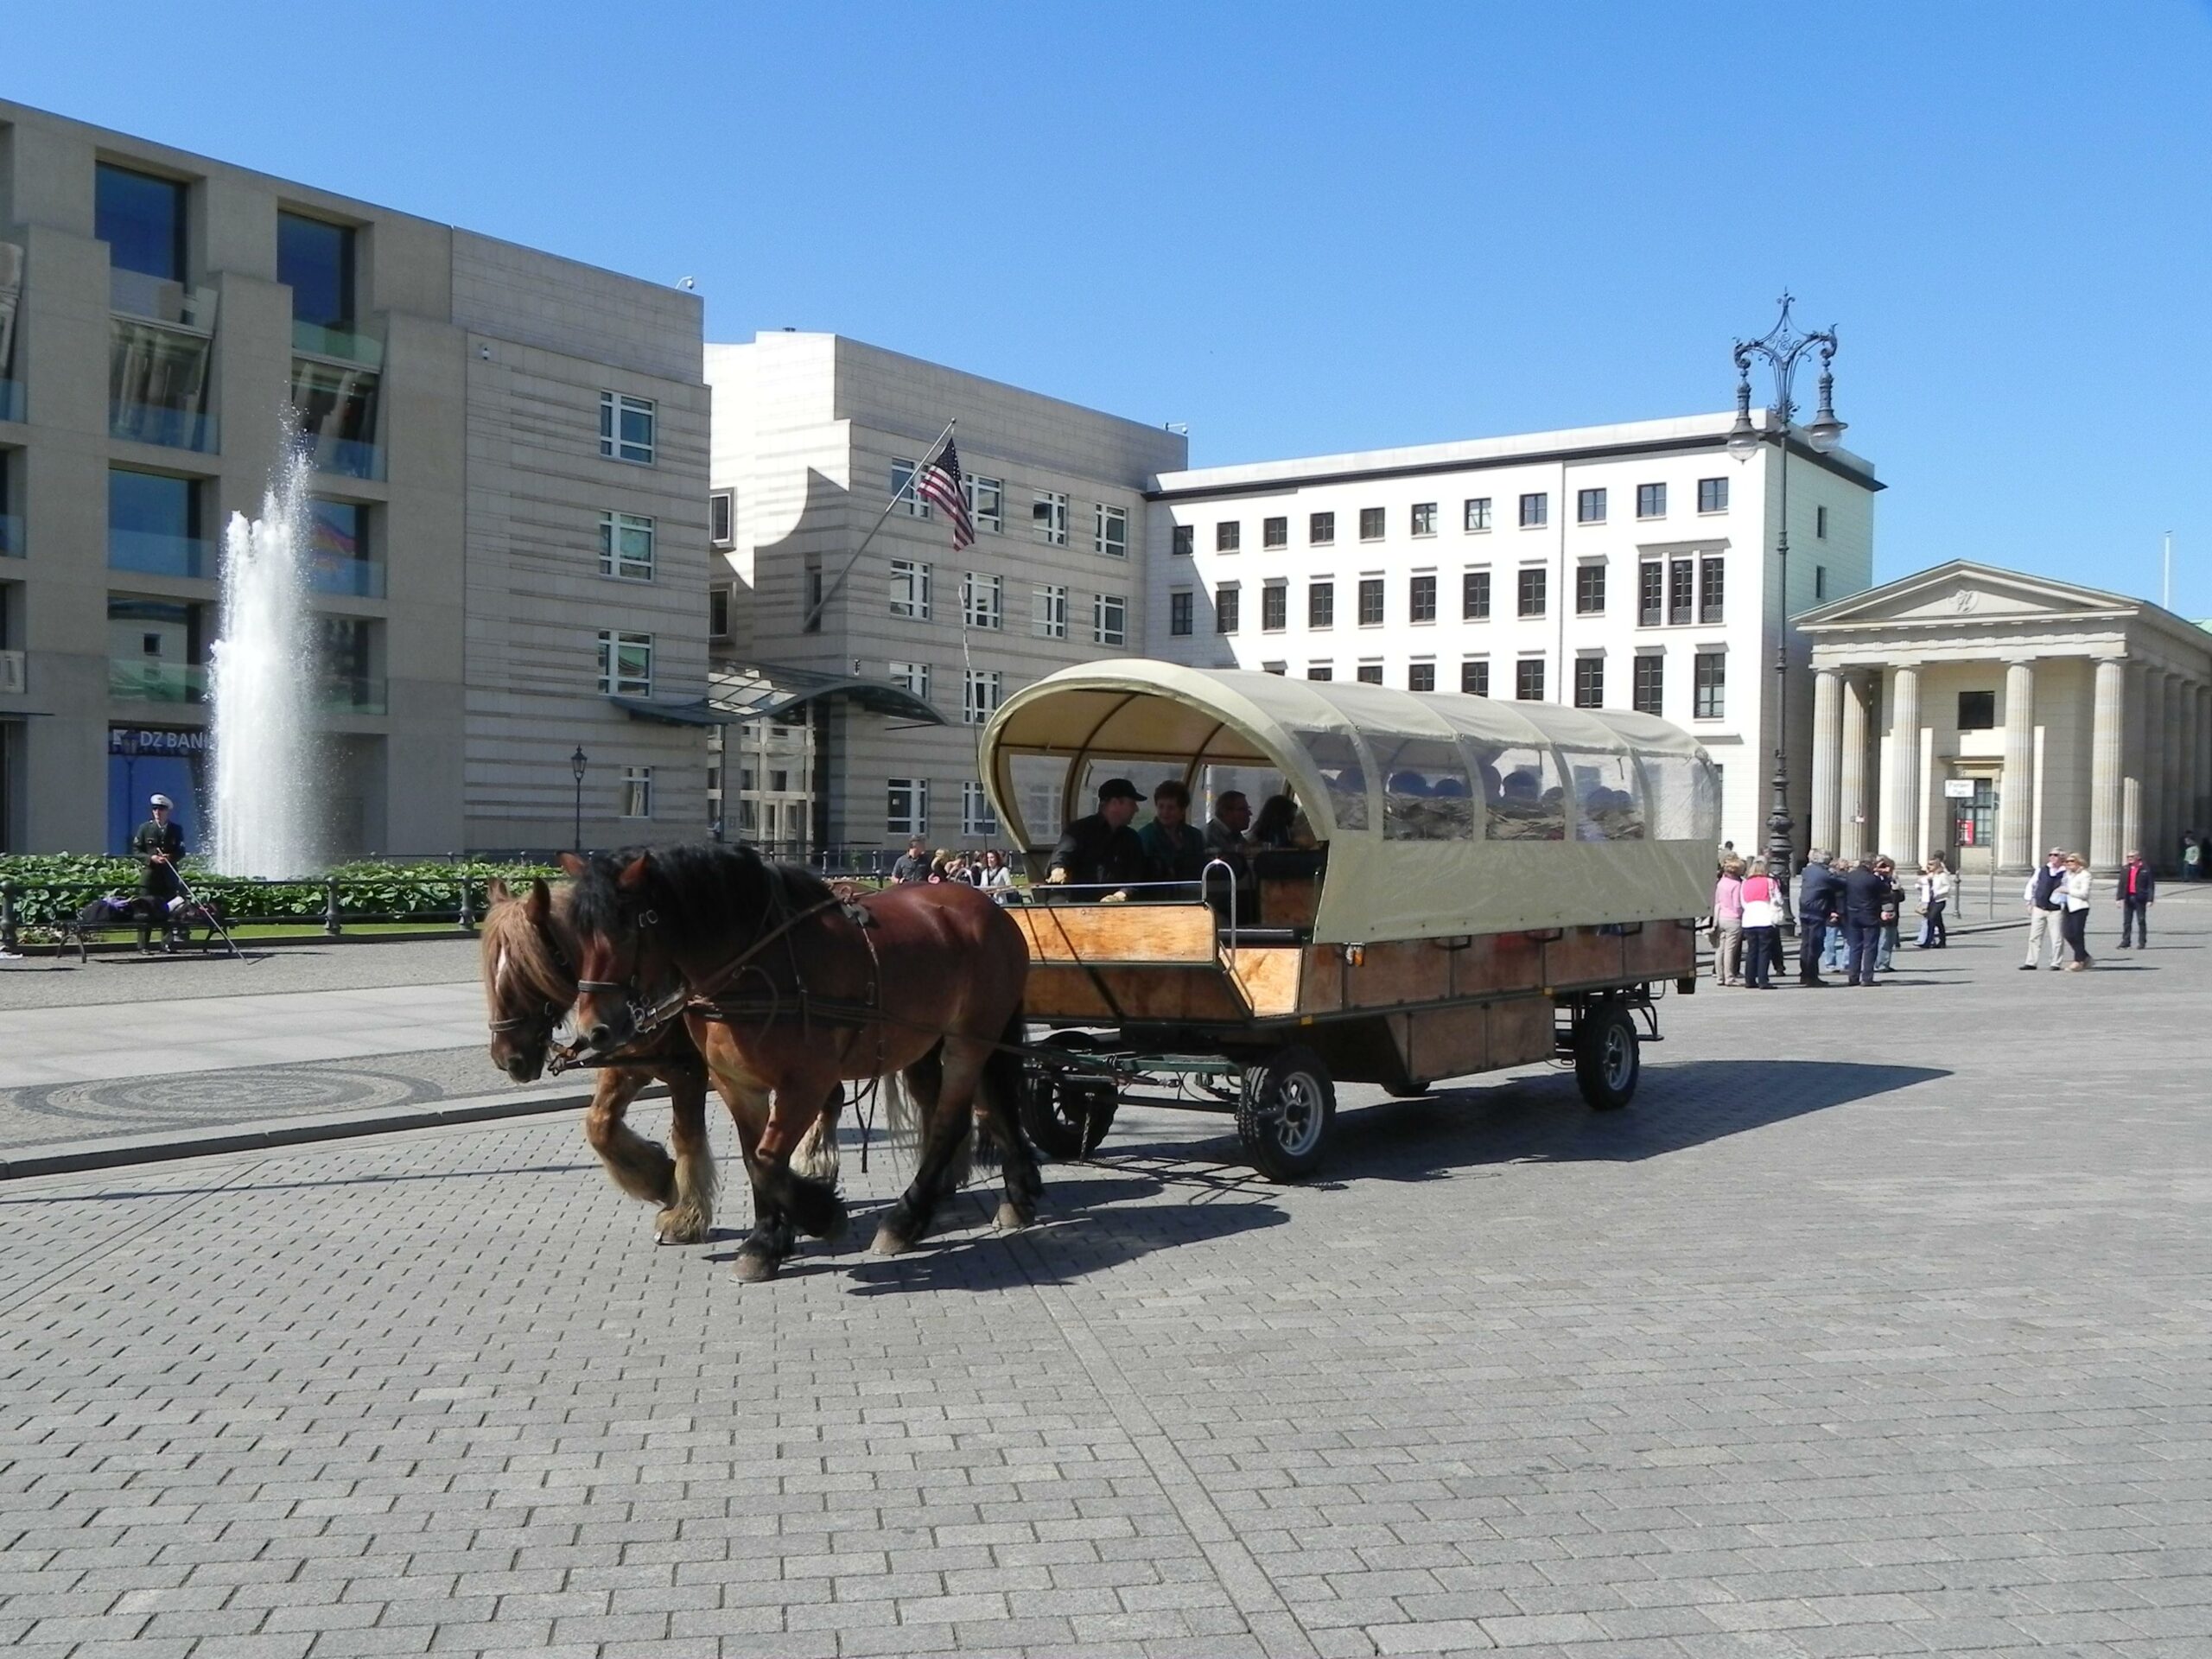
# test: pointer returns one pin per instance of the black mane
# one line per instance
(706, 893)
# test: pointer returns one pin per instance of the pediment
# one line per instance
(1963, 592)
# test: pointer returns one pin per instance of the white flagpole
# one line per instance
(2166, 587)
(912, 487)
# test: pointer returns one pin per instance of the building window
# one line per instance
(1589, 682)
(980, 691)
(1474, 596)
(1651, 501)
(637, 791)
(1532, 590)
(1647, 689)
(1474, 676)
(982, 599)
(1819, 581)
(909, 589)
(1421, 600)
(1651, 594)
(1711, 684)
(1421, 677)
(1275, 533)
(1321, 530)
(1589, 507)
(626, 664)
(1110, 531)
(1477, 513)
(1713, 495)
(1424, 518)
(153, 523)
(810, 619)
(720, 517)
(1179, 613)
(1048, 611)
(1712, 587)
(1225, 598)
(314, 259)
(626, 546)
(1109, 620)
(1320, 671)
(1321, 605)
(1185, 540)
(718, 613)
(1275, 607)
(1229, 536)
(1371, 524)
(1820, 522)
(1536, 511)
(1977, 711)
(912, 678)
(1370, 601)
(1370, 673)
(1529, 679)
(977, 818)
(1276, 668)
(1048, 517)
(985, 502)
(627, 428)
(1681, 579)
(1590, 590)
(906, 806)
(142, 220)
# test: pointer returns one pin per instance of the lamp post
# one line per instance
(1782, 348)
(576, 766)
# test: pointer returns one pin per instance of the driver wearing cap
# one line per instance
(160, 843)
(1100, 854)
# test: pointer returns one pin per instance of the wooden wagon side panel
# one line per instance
(1521, 1031)
(1661, 951)
(1104, 933)
(1062, 991)
(1443, 1042)
(1583, 955)
(1269, 978)
(1395, 974)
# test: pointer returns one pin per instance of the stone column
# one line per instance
(2108, 725)
(1904, 813)
(2197, 724)
(2136, 804)
(2016, 790)
(2170, 761)
(1827, 756)
(1852, 799)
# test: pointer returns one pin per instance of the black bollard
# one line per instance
(8, 917)
(331, 924)
(466, 916)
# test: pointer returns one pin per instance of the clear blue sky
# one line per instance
(1310, 228)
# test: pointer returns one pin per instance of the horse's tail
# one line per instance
(815, 1155)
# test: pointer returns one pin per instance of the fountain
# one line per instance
(262, 683)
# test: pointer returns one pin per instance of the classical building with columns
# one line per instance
(1986, 715)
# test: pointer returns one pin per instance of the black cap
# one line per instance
(1118, 789)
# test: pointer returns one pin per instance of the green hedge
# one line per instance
(51, 887)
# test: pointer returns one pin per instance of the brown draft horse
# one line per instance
(787, 991)
(529, 982)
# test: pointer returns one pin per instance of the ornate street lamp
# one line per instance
(1783, 347)
(576, 766)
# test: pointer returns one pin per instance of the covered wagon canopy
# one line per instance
(1443, 815)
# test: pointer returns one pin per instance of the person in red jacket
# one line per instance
(2138, 888)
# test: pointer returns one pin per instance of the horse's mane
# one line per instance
(506, 928)
(706, 893)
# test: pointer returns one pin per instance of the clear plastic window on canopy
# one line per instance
(1683, 797)
(1522, 789)
(1426, 795)
(1608, 795)
(1336, 756)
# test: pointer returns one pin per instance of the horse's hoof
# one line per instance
(836, 1226)
(1011, 1219)
(890, 1243)
(755, 1266)
(680, 1226)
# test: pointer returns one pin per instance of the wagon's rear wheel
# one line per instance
(1067, 1114)
(1608, 1061)
(1288, 1108)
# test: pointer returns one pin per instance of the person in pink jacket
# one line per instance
(1728, 923)
(1760, 918)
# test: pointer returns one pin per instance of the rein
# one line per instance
(652, 1016)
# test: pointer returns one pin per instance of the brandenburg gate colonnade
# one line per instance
(1984, 715)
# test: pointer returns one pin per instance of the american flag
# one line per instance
(939, 484)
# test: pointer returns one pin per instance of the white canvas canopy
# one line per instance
(1443, 815)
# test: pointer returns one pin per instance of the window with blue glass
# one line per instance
(153, 524)
(141, 218)
(314, 259)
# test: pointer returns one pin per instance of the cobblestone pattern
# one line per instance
(1896, 1345)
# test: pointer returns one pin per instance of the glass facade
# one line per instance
(157, 649)
(337, 407)
(153, 524)
(314, 259)
(142, 220)
(340, 559)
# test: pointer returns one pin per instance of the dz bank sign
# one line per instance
(134, 741)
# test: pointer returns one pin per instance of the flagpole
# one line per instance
(912, 487)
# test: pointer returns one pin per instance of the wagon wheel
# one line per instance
(1288, 1108)
(1067, 1114)
(1608, 1060)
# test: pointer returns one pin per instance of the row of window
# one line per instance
(982, 603)
(907, 807)
(1048, 510)
(1647, 692)
(1590, 507)
(1672, 591)
(982, 689)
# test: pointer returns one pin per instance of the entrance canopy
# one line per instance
(776, 692)
(1443, 815)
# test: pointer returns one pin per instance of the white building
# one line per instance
(881, 675)
(1625, 567)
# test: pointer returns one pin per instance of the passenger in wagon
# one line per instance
(1173, 848)
(1100, 855)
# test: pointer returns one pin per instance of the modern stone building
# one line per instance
(1989, 715)
(511, 498)
(1618, 567)
(873, 678)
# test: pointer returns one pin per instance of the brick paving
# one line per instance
(1879, 1325)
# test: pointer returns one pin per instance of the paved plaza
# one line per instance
(1879, 1325)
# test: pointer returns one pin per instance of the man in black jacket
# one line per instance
(2046, 890)
(1818, 891)
(1099, 855)
(1867, 894)
(160, 843)
(2138, 888)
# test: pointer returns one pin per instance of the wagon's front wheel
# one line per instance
(1608, 1060)
(1066, 1113)
(1287, 1111)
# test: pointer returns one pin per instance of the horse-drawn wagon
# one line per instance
(1487, 884)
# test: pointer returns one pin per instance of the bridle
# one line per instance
(548, 1011)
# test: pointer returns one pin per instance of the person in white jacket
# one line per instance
(2075, 926)
(1935, 898)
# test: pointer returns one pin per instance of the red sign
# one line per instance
(1965, 832)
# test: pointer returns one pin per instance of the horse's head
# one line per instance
(529, 982)
(621, 962)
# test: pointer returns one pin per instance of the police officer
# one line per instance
(160, 843)
(1100, 854)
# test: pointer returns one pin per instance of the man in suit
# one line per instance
(2138, 888)
(2046, 896)
(1099, 855)
(1817, 892)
